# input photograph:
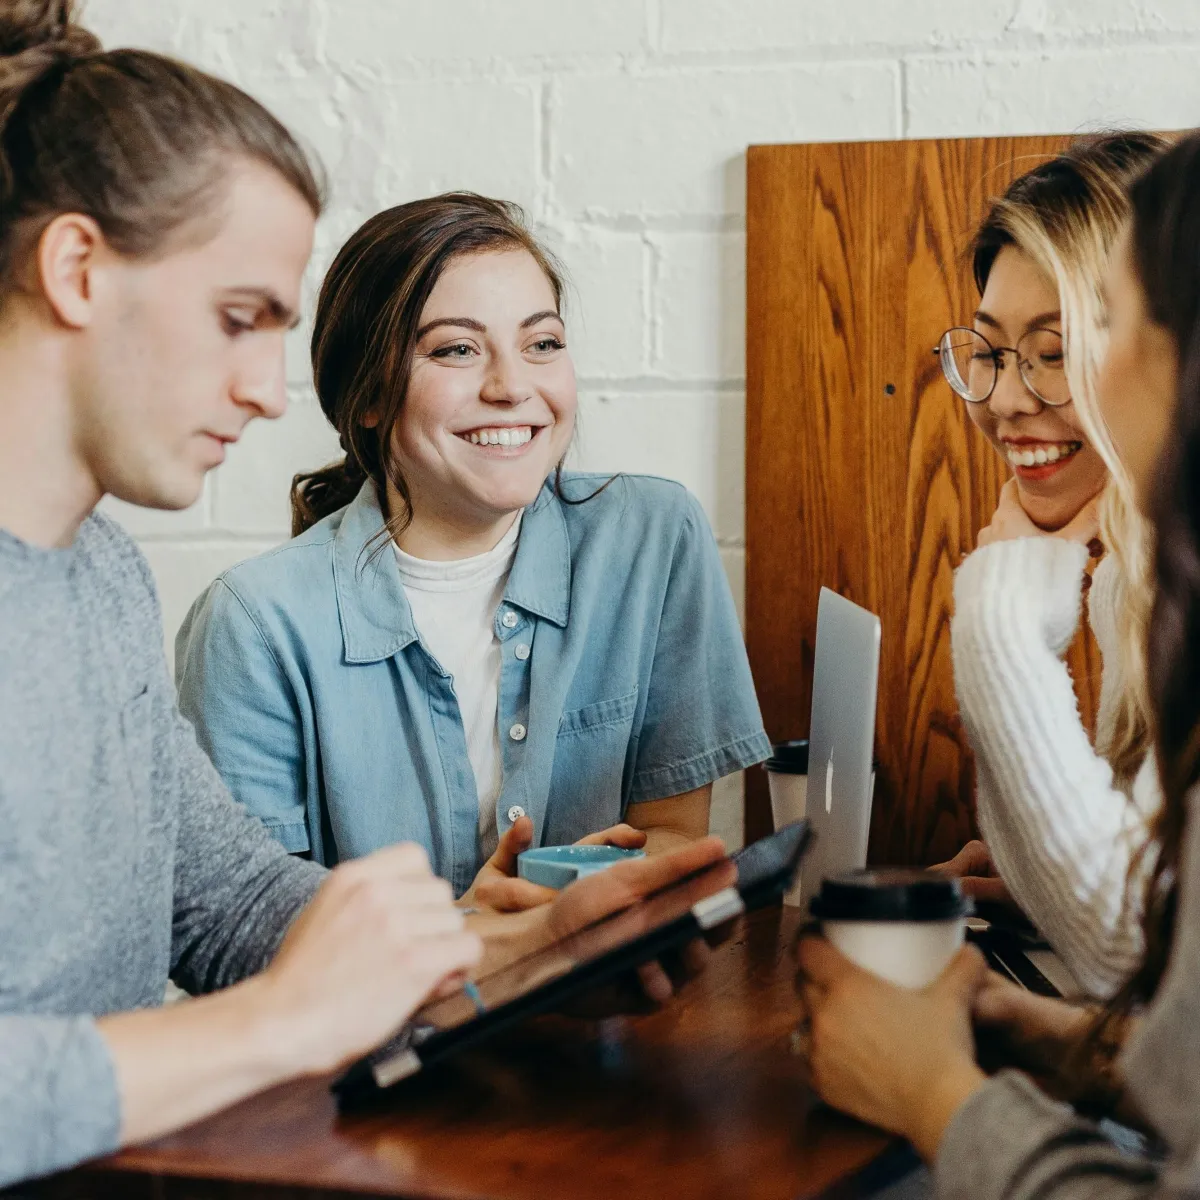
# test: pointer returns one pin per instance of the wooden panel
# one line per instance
(863, 470)
(700, 1100)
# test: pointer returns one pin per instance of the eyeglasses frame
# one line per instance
(997, 356)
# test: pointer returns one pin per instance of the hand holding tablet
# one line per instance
(593, 935)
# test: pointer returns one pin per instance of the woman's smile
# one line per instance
(502, 441)
(1033, 459)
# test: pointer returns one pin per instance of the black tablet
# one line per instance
(663, 921)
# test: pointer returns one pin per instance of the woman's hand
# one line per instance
(974, 867)
(1034, 1032)
(1011, 521)
(900, 1059)
(497, 886)
(509, 937)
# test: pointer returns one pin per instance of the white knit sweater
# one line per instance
(1061, 832)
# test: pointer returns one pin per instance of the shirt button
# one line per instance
(515, 813)
(517, 732)
(510, 619)
(522, 652)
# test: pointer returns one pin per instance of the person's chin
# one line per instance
(1052, 502)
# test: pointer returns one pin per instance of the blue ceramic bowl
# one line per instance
(557, 866)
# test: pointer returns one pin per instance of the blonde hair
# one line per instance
(1066, 215)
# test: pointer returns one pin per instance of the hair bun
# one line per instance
(45, 30)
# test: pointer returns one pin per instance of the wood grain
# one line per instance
(863, 470)
(701, 1100)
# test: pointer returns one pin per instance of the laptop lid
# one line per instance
(841, 739)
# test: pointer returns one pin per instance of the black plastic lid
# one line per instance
(894, 894)
(789, 758)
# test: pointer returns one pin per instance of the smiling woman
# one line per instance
(465, 645)
(1054, 809)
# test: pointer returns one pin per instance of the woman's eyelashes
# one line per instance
(463, 351)
(236, 322)
(460, 350)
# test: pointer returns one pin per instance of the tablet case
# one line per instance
(765, 870)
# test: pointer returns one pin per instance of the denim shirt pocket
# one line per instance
(587, 782)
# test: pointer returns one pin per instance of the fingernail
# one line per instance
(1095, 547)
(1087, 583)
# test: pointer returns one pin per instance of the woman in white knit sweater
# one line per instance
(1062, 818)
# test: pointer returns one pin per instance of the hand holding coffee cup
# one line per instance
(903, 925)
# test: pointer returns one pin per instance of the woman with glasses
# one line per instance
(904, 1059)
(1054, 808)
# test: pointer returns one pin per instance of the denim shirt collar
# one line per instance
(373, 609)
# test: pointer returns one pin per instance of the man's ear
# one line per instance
(67, 255)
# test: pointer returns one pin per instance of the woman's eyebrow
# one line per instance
(1037, 322)
(541, 316)
(1049, 317)
(459, 322)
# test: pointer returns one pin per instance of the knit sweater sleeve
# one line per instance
(1061, 833)
(1011, 1142)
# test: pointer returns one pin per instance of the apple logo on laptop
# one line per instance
(829, 785)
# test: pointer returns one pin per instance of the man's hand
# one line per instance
(380, 936)
(497, 886)
(898, 1058)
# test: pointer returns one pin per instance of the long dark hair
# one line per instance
(139, 142)
(1165, 249)
(365, 331)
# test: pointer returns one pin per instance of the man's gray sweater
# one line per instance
(123, 858)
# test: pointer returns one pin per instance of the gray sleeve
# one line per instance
(58, 1095)
(1010, 1140)
(237, 891)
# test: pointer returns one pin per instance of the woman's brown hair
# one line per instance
(365, 333)
(139, 142)
(1165, 250)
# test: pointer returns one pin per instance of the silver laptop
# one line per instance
(841, 740)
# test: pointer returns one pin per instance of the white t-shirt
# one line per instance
(454, 609)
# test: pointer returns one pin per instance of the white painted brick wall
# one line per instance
(622, 126)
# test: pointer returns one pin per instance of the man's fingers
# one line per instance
(649, 874)
(446, 955)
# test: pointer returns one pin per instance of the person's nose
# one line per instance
(261, 387)
(506, 381)
(1011, 397)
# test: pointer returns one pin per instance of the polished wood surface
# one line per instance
(863, 470)
(701, 1100)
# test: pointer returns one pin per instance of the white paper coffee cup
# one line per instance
(902, 925)
(787, 780)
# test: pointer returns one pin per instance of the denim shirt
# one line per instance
(624, 678)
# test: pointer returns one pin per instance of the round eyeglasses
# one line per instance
(971, 364)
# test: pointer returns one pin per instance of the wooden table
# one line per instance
(701, 1100)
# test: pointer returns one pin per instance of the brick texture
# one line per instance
(622, 127)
